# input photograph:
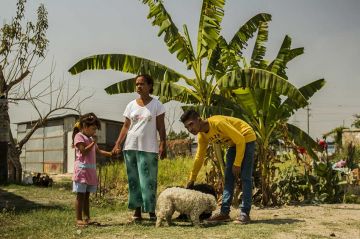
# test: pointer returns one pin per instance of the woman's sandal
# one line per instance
(152, 216)
(135, 219)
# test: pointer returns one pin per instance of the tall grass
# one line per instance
(174, 172)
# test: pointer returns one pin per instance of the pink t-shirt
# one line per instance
(85, 165)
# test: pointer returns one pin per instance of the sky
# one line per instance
(327, 29)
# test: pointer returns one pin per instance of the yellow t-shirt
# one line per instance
(224, 130)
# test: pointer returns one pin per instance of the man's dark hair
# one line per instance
(189, 114)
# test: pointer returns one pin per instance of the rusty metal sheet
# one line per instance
(57, 130)
(21, 128)
(34, 157)
(34, 144)
(39, 133)
(34, 167)
(53, 168)
(53, 143)
(54, 156)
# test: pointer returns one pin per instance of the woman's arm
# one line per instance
(160, 126)
(123, 132)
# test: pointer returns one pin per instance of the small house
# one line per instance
(49, 149)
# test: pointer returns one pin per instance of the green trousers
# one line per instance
(142, 169)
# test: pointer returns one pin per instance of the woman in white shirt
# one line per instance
(144, 117)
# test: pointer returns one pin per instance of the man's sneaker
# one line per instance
(218, 218)
(242, 219)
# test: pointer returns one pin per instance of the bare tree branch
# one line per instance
(18, 80)
(57, 108)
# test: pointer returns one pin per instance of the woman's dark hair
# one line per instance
(85, 120)
(148, 81)
(189, 114)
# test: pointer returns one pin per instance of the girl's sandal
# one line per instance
(93, 223)
(81, 224)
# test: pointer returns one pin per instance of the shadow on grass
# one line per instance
(176, 223)
(182, 223)
(277, 221)
(18, 204)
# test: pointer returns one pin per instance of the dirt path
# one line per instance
(322, 221)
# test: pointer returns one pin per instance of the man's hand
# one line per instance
(190, 184)
(236, 171)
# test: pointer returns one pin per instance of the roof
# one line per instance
(66, 116)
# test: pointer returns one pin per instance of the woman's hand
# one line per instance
(162, 150)
(116, 150)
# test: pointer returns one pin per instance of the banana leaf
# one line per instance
(126, 63)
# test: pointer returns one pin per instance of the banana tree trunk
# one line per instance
(265, 175)
(220, 159)
(4, 139)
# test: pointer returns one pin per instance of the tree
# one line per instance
(180, 135)
(267, 102)
(23, 48)
(201, 89)
(356, 122)
(222, 82)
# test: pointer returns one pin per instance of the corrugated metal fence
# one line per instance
(45, 150)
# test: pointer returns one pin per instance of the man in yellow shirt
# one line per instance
(240, 138)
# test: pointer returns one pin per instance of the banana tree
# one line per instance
(200, 89)
(267, 99)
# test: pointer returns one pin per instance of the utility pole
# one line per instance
(308, 119)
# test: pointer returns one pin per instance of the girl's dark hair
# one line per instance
(189, 114)
(148, 81)
(85, 120)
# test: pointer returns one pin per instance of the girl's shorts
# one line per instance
(83, 188)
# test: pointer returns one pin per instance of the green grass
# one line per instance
(34, 212)
(48, 213)
(175, 172)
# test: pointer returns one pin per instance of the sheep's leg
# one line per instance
(195, 219)
(169, 216)
(159, 219)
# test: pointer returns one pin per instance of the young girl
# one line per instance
(85, 179)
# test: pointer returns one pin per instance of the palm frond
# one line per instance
(259, 47)
(288, 107)
(212, 12)
(173, 39)
(245, 32)
(261, 79)
(126, 63)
